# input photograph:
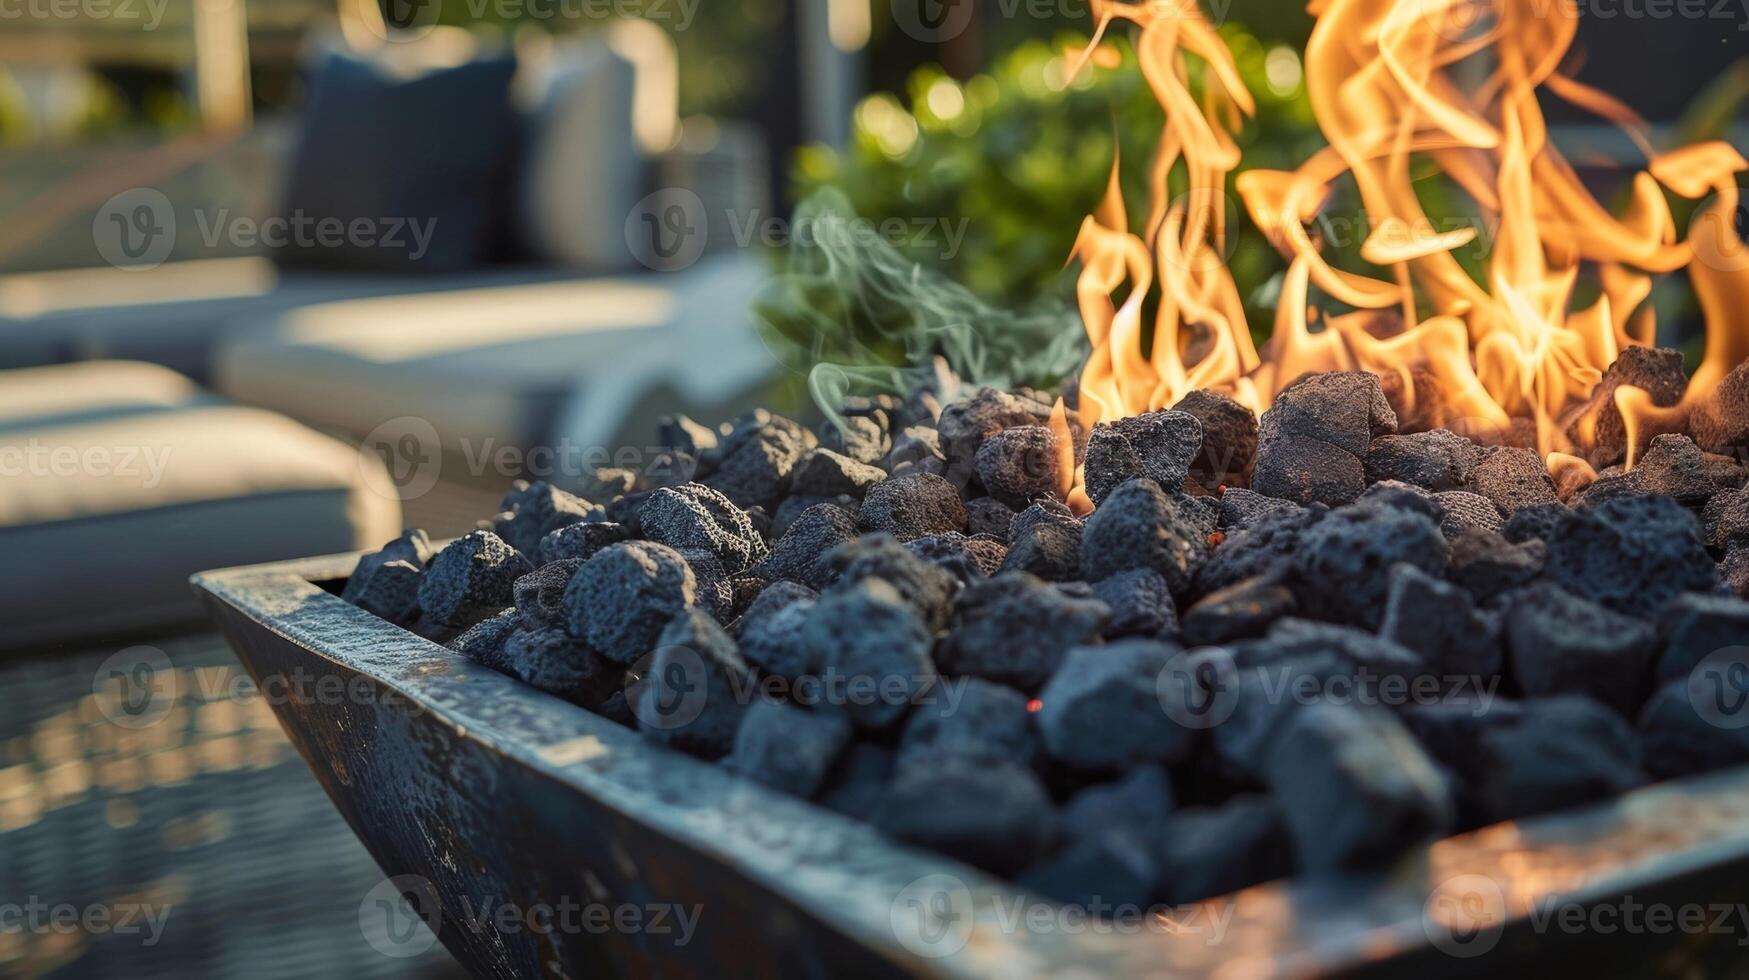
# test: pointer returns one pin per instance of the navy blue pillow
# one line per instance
(401, 174)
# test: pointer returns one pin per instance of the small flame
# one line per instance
(1382, 77)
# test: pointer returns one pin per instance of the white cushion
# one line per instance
(494, 367)
(106, 515)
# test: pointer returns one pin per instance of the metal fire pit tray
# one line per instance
(502, 796)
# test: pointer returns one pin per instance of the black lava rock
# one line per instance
(1341, 568)
(1539, 522)
(1438, 460)
(1465, 512)
(1403, 496)
(470, 579)
(1020, 465)
(1213, 851)
(953, 553)
(552, 660)
(1264, 546)
(969, 719)
(1110, 873)
(1141, 802)
(1438, 620)
(580, 540)
(1658, 371)
(1305, 471)
(917, 444)
(1140, 602)
(484, 642)
(1345, 409)
(858, 782)
(1102, 710)
(1015, 630)
(770, 630)
(385, 582)
(1229, 439)
(1558, 643)
(913, 506)
(694, 516)
(1246, 608)
(795, 506)
(716, 590)
(1631, 554)
(1675, 467)
(873, 647)
(1155, 445)
(540, 595)
(799, 555)
(1240, 508)
(928, 588)
(1487, 565)
(1513, 477)
(1720, 423)
(985, 515)
(1679, 738)
(692, 691)
(757, 461)
(824, 473)
(967, 422)
(788, 748)
(1695, 627)
(1047, 511)
(531, 511)
(1047, 549)
(1355, 787)
(1141, 526)
(995, 817)
(1450, 731)
(622, 599)
(1562, 752)
(1727, 519)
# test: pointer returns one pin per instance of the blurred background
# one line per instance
(279, 277)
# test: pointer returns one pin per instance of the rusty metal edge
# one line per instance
(847, 877)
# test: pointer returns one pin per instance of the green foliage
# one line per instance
(1017, 161)
(851, 312)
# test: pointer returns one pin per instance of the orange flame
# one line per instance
(1383, 77)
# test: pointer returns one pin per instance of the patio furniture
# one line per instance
(118, 480)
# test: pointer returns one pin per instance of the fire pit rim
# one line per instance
(1339, 925)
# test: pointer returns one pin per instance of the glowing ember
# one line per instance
(1510, 359)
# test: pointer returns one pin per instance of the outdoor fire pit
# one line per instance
(1415, 639)
(474, 791)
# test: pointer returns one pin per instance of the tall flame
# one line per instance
(1396, 84)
